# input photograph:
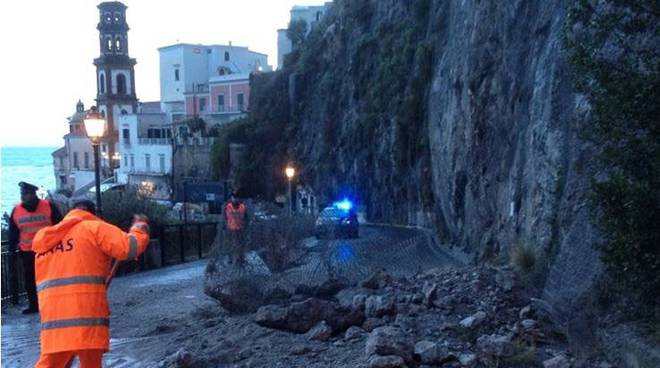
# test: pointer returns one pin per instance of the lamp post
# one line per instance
(290, 172)
(95, 127)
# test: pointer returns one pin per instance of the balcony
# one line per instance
(222, 109)
(154, 141)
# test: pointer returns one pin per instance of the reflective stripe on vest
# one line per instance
(70, 281)
(75, 322)
(132, 247)
(29, 223)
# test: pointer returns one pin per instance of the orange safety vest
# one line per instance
(235, 216)
(72, 263)
(29, 223)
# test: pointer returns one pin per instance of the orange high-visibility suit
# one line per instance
(235, 216)
(72, 263)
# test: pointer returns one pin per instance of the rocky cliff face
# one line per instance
(454, 114)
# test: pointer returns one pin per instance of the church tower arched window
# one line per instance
(102, 83)
(121, 84)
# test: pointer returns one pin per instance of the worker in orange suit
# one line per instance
(73, 263)
(235, 220)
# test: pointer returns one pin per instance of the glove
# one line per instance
(141, 221)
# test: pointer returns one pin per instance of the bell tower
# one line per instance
(115, 72)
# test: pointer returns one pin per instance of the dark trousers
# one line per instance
(28, 276)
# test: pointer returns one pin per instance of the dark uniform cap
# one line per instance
(27, 187)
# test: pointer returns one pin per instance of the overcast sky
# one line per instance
(49, 46)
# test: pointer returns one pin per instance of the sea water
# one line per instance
(30, 164)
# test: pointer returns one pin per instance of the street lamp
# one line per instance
(95, 127)
(290, 172)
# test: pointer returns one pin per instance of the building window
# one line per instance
(61, 161)
(226, 55)
(221, 103)
(75, 160)
(240, 101)
(176, 74)
(117, 17)
(161, 159)
(62, 180)
(108, 44)
(126, 135)
(86, 160)
(168, 133)
(147, 162)
(132, 161)
(202, 104)
(102, 83)
(121, 84)
(108, 17)
(125, 160)
(118, 44)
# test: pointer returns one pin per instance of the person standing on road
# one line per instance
(28, 217)
(235, 220)
(73, 267)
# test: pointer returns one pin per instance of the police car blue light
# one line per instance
(344, 205)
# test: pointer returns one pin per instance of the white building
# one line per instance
(74, 163)
(310, 14)
(187, 70)
(145, 148)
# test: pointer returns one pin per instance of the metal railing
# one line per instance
(171, 244)
(12, 284)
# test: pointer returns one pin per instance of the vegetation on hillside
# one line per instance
(614, 46)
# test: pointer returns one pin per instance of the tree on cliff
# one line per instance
(296, 32)
(614, 46)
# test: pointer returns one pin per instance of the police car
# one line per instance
(338, 221)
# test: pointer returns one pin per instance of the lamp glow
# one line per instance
(344, 205)
(95, 126)
(290, 172)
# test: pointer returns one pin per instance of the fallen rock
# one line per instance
(560, 361)
(430, 291)
(467, 359)
(359, 302)
(379, 306)
(389, 361)
(473, 320)
(300, 317)
(505, 280)
(300, 350)
(320, 332)
(528, 324)
(185, 359)
(354, 332)
(389, 340)
(429, 352)
(377, 280)
(371, 324)
(525, 312)
(495, 345)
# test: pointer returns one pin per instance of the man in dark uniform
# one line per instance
(26, 219)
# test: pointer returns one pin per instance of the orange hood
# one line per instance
(50, 236)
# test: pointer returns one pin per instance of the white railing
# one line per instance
(154, 141)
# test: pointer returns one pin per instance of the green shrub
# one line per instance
(523, 258)
(119, 208)
(612, 46)
(276, 240)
